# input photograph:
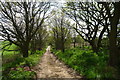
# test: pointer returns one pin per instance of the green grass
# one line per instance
(16, 69)
(14, 66)
(87, 63)
(9, 56)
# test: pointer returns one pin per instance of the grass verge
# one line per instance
(20, 68)
(87, 63)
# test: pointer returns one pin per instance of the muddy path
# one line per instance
(51, 67)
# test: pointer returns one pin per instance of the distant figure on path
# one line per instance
(48, 49)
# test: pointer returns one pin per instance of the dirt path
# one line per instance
(50, 67)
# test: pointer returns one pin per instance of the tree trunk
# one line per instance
(113, 56)
(62, 47)
(24, 50)
(57, 44)
(62, 43)
(40, 46)
(114, 53)
(25, 53)
(94, 46)
(33, 46)
(74, 42)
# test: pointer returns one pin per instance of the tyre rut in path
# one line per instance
(51, 67)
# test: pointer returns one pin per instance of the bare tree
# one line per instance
(60, 27)
(100, 17)
(91, 21)
(114, 18)
(20, 21)
(39, 40)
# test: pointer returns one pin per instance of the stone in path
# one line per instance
(50, 67)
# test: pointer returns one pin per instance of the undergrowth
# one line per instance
(88, 63)
(20, 68)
